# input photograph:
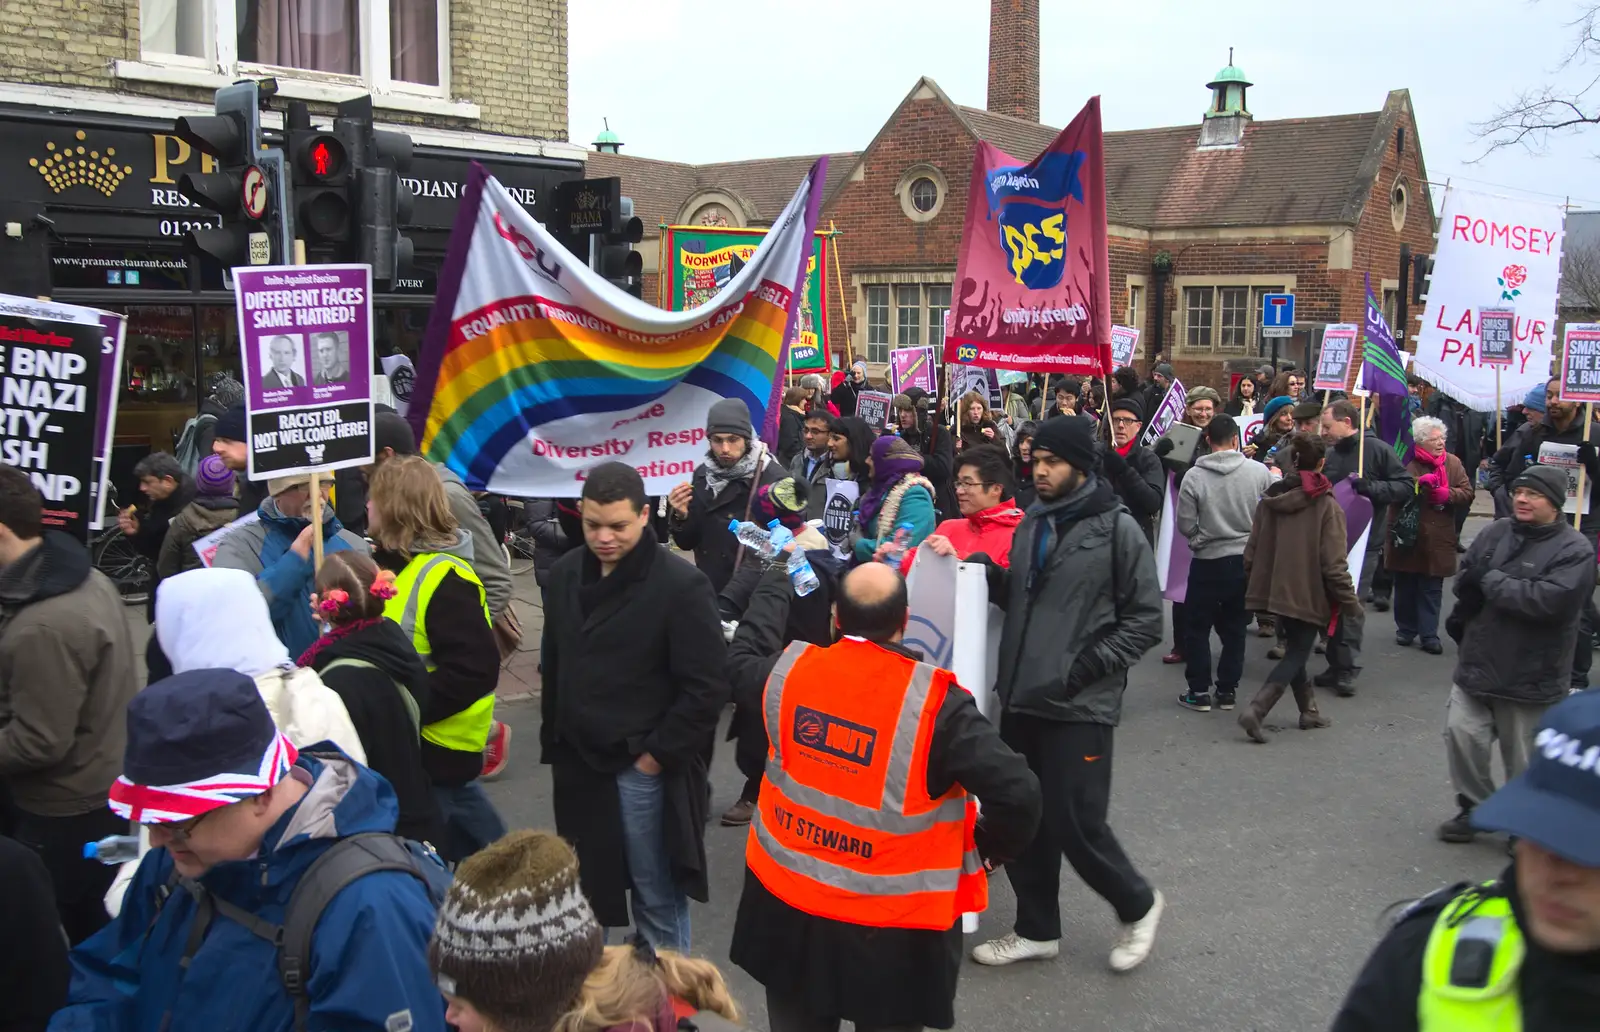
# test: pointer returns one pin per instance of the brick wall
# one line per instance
(507, 56)
(1014, 58)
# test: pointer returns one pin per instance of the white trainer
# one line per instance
(1138, 939)
(1011, 948)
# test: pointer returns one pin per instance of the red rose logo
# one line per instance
(1511, 278)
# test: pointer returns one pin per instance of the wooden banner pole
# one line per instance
(844, 312)
(1588, 424)
(1499, 414)
(1361, 443)
(663, 274)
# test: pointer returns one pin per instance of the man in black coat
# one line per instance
(1386, 482)
(934, 443)
(818, 971)
(634, 681)
(721, 490)
(1134, 471)
(167, 489)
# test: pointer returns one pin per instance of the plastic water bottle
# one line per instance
(751, 536)
(900, 545)
(801, 575)
(113, 849)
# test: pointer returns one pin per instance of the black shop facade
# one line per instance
(92, 216)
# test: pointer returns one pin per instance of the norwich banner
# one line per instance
(702, 259)
(535, 369)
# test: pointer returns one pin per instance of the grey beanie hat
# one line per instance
(730, 416)
(1547, 480)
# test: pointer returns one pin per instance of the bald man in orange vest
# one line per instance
(866, 847)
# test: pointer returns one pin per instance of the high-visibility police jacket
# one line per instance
(1471, 966)
(844, 827)
(468, 730)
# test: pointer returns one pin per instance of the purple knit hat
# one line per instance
(213, 478)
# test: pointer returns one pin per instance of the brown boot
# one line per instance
(1306, 698)
(1258, 709)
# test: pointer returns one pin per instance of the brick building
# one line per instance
(101, 81)
(1203, 218)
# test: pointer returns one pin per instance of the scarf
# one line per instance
(342, 631)
(1051, 515)
(1438, 490)
(892, 460)
(719, 477)
(1124, 449)
(1314, 483)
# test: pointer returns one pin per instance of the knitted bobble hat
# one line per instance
(515, 935)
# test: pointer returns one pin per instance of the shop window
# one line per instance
(877, 324)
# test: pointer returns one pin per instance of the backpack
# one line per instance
(412, 709)
(187, 450)
(347, 860)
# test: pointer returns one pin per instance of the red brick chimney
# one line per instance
(1014, 58)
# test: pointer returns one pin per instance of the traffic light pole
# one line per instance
(279, 222)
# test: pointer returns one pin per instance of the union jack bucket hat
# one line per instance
(198, 741)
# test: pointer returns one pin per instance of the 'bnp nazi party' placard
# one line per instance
(50, 372)
(305, 334)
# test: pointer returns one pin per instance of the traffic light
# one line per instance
(614, 256)
(379, 201)
(320, 165)
(239, 192)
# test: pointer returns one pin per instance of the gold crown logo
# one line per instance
(72, 165)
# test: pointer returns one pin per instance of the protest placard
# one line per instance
(1333, 364)
(114, 329)
(51, 366)
(873, 407)
(206, 547)
(1497, 336)
(1124, 341)
(911, 367)
(1580, 363)
(1565, 458)
(1168, 412)
(305, 337)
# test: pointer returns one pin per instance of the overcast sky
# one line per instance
(696, 82)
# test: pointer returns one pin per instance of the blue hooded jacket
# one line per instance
(263, 551)
(369, 955)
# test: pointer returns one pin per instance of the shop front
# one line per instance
(93, 216)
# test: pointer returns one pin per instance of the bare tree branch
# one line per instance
(1580, 275)
(1535, 115)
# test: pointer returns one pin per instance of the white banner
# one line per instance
(1495, 252)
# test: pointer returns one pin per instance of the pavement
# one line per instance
(1277, 861)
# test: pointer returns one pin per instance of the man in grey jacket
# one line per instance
(815, 465)
(1522, 587)
(1216, 504)
(1082, 605)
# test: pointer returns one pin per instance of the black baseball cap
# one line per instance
(1555, 803)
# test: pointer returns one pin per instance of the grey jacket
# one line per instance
(1218, 501)
(1088, 615)
(1520, 592)
(816, 485)
(488, 561)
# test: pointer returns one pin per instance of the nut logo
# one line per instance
(75, 164)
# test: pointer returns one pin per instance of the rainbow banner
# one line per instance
(535, 369)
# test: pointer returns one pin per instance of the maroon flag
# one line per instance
(1033, 288)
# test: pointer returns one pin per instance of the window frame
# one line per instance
(1224, 325)
(1134, 312)
(886, 308)
(1254, 286)
(1190, 326)
(936, 326)
(914, 310)
(375, 55)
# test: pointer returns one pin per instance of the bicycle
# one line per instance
(112, 553)
(518, 546)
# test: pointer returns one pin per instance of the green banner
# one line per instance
(702, 259)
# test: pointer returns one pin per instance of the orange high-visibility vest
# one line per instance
(845, 828)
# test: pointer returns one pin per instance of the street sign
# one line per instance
(260, 249)
(1277, 315)
(255, 193)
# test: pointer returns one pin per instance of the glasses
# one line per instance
(974, 485)
(181, 831)
(1127, 421)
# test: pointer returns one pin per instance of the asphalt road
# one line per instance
(1277, 861)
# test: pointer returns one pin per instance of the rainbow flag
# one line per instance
(535, 369)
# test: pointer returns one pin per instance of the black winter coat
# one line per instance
(1558, 992)
(34, 981)
(1140, 483)
(1520, 591)
(546, 521)
(704, 531)
(378, 712)
(893, 976)
(791, 435)
(1389, 483)
(631, 666)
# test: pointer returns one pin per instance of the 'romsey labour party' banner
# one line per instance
(535, 368)
(1492, 251)
(1033, 285)
(701, 260)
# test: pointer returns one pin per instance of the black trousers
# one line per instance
(785, 1015)
(1299, 638)
(750, 750)
(1073, 763)
(1215, 599)
(80, 885)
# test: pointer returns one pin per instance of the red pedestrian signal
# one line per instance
(321, 159)
(322, 156)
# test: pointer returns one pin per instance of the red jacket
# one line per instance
(988, 532)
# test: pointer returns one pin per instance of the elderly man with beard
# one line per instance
(735, 466)
(1082, 604)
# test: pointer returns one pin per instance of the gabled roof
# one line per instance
(763, 186)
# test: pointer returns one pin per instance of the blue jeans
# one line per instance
(1416, 605)
(660, 909)
(470, 820)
